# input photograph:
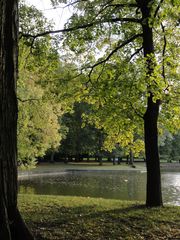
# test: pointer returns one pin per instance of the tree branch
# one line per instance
(28, 100)
(108, 5)
(133, 5)
(135, 20)
(84, 26)
(157, 9)
(163, 52)
(63, 7)
(114, 51)
(136, 112)
(135, 53)
(111, 5)
(78, 1)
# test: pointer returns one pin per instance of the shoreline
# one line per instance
(59, 168)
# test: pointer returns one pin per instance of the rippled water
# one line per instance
(125, 185)
(171, 187)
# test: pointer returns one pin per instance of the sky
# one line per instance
(59, 15)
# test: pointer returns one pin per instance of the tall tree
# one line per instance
(154, 195)
(121, 32)
(39, 106)
(12, 226)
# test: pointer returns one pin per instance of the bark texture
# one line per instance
(153, 190)
(12, 226)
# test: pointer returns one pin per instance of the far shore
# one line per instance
(61, 168)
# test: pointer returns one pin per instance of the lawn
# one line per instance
(72, 218)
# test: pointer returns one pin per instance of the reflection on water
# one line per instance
(125, 185)
(171, 188)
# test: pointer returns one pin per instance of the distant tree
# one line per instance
(165, 145)
(175, 153)
(81, 139)
(170, 147)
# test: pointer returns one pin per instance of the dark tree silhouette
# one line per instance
(12, 227)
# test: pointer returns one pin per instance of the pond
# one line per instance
(125, 185)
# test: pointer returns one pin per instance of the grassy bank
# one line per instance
(72, 218)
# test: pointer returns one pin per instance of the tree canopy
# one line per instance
(40, 110)
(117, 82)
(128, 51)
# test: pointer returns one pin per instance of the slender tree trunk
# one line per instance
(100, 160)
(114, 160)
(153, 191)
(12, 226)
(109, 159)
(52, 156)
(127, 159)
(131, 158)
(119, 160)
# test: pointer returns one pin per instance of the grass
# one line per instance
(78, 218)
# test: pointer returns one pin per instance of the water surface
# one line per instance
(125, 185)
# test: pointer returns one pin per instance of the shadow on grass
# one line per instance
(93, 223)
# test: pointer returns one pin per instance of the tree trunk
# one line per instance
(12, 226)
(109, 159)
(153, 190)
(114, 160)
(52, 156)
(127, 159)
(119, 160)
(131, 158)
(100, 160)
